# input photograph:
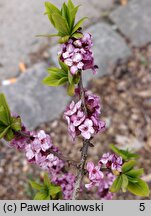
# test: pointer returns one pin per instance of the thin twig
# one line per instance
(82, 95)
(81, 169)
(23, 134)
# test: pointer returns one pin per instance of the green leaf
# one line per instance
(71, 90)
(78, 25)
(127, 166)
(132, 179)
(118, 151)
(125, 154)
(16, 123)
(3, 103)
(62, 81)
(35, 185)
(135, 173)
(132, 156)
(54, 190)
(47, 180)
(9, 135)
(124, 183)
(53, 69)
(48, 35)
(3, 131)
(63, 66)
(116, 184)
(64, 39)
(140, 188)
(50, 9)
(57, 77)
(77, 35)
(57, 73)
(65, 12)
(70, 5)
(59, 196)
(52, 81)
(69, 14)
(73, 13)
(61, 24)
(3, 116)
(70, 77)
(76, 78)
(41, 196)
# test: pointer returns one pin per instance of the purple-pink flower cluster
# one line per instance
(66, 181)
(80, 123)
(19, 142)
(111, 161)
(39, 150)
(36, 147)
(77, 54)
(104, 180)
(104, 186)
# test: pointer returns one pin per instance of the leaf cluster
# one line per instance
(47, 190)
(125, 154)
(8, 124)
(130, 178)
(64, 20)
(61, 76)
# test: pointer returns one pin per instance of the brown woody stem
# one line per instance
(84, 150)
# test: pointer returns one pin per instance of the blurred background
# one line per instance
(122, 48)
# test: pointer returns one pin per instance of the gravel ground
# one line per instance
(126, 101)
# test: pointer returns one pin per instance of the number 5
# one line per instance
(142, 206)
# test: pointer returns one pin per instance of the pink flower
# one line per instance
(95, 174)
(78, 119)
(77, 57)
(111, 161)
(66, 55)
(116, 163)
(67, 182)
(73, 107)
(87, 129)
(80, 65)
(78, 43)
(70, 48)
(45, 140)
(20, 142)
(78, 124)
(77, 54)
(90, 185)
(68, 62)
(102, 181)
(105, 158)
(30, 153)
(73, 69)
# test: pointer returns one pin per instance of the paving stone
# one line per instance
(104, 4)
(35, 102)
(21, 21)
(108, 47)
(134, 21)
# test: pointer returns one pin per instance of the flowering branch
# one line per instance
(69, 161)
